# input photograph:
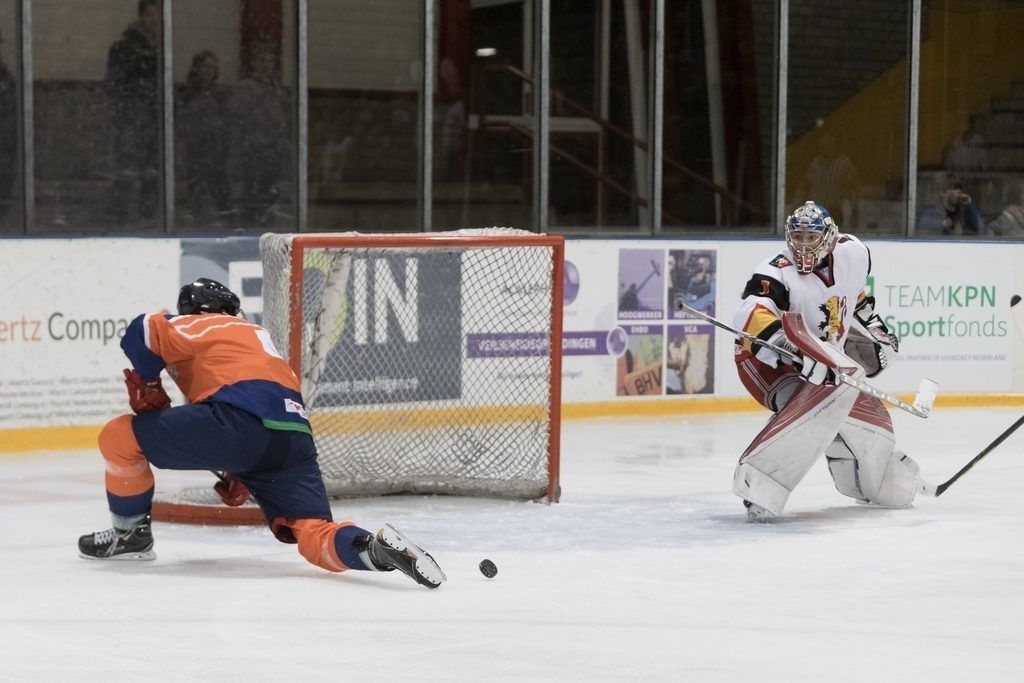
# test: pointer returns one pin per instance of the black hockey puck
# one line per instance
(488, 569)
(1014, 300)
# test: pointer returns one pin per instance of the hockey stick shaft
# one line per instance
(785, 353)
(1017, 313)
(941, 488)
(921, 408)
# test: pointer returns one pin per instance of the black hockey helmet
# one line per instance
(207, 296)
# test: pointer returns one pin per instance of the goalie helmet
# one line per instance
(207, 296)
(810, 235)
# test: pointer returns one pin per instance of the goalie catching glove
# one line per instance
(870, 342)
(145, 396)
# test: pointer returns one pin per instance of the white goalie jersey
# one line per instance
(827, 297)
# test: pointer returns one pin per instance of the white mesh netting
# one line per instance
(426, 368)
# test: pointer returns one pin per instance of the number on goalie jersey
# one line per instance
(245, 415)
(820, 274)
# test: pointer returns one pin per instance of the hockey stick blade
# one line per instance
(941, 488)
(1017, 313)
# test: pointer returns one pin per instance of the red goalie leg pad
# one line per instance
(129, 478)
(316, 542)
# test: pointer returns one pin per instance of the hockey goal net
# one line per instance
(430, 362)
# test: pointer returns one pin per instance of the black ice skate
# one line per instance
(390, 549)
(119, 544)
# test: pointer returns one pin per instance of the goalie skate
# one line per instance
(119, 544)
(756, 513)
(391, 549)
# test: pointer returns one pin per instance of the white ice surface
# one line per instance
(646, 571)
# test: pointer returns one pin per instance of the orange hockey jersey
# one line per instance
(219, 358)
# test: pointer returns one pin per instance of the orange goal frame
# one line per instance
(202, 506)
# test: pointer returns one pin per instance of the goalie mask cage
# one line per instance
(429, 362)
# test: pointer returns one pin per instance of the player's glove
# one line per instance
(880, 333)
(874, 324)
(145, 396)
(815, 372)
(232, 491)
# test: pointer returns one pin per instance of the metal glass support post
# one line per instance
(27, 116)
(425, 114)
(167, 114)
(302, 116)
(541, 112)
(913, 94)
(781, 94)
(656, 114)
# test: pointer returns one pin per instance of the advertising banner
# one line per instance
(67, 302)
(65, 307)
(950, 306)
(626, 338)
(948, 303)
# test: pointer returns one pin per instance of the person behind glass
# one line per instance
(203, 117)
(8, 138)
(951, 211)
(1010, 223)
(131, 86)
(262, 125)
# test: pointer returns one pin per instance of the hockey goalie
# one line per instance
(809, 302)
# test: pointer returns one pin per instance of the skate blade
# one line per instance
(143, 556)
(426, 566)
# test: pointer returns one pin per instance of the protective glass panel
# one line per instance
(364, 91)
(846, 143)
(96, 98)
(718, 116)
(970, 170)
(234, 112)
(483, 116)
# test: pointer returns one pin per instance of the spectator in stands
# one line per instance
(453, 118)
(951, 212)
(1010, 223)
(831, 179)
(131, 85)
(8, 139)
(203, 116)
(262, 123)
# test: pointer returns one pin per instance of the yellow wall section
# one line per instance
(79, 438)
(965, 62)
(48, 438)
(960, 74)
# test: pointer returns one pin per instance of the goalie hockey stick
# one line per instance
(938, 490)
(1017, 312)
(923, 401)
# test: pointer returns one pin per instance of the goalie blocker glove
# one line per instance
(814, 371)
